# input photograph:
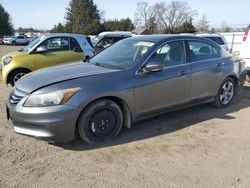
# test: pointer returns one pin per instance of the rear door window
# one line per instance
(200, 51)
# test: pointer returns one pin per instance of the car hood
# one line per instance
(13, 54)
(48, 76)
(9, 38)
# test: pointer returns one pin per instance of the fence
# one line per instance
(234, 40)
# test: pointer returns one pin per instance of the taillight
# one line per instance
(245, 35)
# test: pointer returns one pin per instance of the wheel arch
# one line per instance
(16, 69)
(128, 118)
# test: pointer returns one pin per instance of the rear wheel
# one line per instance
(226, 93)
(100, 122)
(16, 75)
(13, 42)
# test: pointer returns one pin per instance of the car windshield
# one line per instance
(31, 45)
(123, 55)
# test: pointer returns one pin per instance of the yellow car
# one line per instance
(45, 51)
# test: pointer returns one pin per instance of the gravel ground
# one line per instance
(197, 147)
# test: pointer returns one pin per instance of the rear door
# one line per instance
(206, 67)
(168, 88)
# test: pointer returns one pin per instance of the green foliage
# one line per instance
(118, 25)
(59, 28)
(82, 16)
(186, 27)
(5, 23)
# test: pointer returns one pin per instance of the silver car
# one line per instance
(134, 79)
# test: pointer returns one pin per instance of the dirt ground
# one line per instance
(197, 147)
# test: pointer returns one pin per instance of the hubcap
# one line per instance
(102, 123)
(18, 76)
(227, 92)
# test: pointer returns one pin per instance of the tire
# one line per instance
(87, 59)
(100, 122)
(248, 76)
(16, 75)
(13, 42)
(226, 93)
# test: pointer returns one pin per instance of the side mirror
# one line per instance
(41, 50)
(153, 67)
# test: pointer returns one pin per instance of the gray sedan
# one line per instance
(134, 79)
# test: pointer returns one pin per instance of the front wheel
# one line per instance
(100, 122)
(16, 75)
(226, 93)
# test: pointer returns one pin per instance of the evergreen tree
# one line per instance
(118, 25)
(82, 16)
(5, 23)
(186, 27)
(59, 28)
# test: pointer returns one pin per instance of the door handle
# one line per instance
(220, 64)
(182, 73)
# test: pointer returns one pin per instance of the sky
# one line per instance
(44, 14)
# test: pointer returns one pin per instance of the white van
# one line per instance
(245, 51)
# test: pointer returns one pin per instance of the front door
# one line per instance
(59, 50)
(168, 88)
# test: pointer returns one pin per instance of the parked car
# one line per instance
(1, 40)
(14, 40)
(219, 39)
(45, 51)
(245, 51)
(106, 39)
(135, 78)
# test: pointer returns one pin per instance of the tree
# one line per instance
(118, 25)
(186, 27)
(82, 16)
(203, 24)
(59, 28)
(145, 14)
(5, 23)
(174, 14)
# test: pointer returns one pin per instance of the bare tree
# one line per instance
(174, 14)
(225, 27)
(202, 24)
(145, 14)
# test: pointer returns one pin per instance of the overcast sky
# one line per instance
(43, 14)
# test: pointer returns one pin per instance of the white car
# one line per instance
(21, 39)
(217, 38)
(245, 51)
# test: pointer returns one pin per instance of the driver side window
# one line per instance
(170, 54)
(56, 44)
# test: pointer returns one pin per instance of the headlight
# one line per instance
(7, 60)
(50, 99)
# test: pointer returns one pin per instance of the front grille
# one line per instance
(16, 96)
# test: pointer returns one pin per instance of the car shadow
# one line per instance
(169, 122)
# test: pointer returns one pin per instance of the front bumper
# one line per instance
(7, 42)
(53, 124)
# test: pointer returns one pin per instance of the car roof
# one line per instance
(209, 35)
(63, 35)
(160, 37)
(115, 33)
